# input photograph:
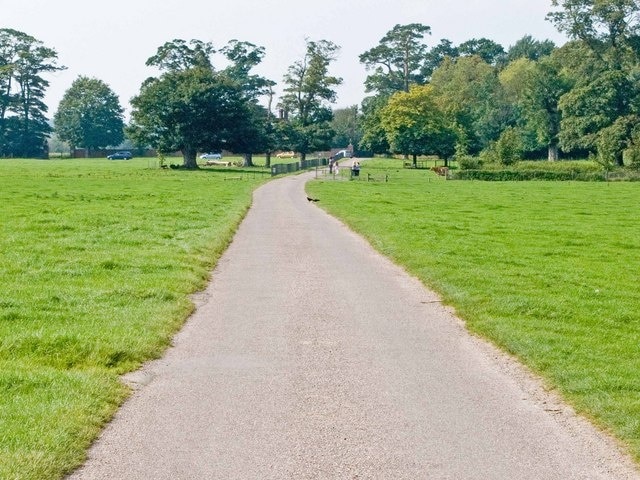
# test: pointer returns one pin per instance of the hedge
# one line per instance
(524, 175)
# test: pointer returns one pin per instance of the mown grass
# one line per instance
(549, 271)
(97, 261)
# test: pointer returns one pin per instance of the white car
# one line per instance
(342, 154)
(211, 156)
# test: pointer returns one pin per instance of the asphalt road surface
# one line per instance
(310, 356)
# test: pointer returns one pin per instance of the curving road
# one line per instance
(311, 356)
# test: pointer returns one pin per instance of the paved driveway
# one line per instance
(310, 356)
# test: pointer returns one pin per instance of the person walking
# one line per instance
(355, 168)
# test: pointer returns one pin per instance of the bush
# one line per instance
(525, 175)
(509, 147)
(507, 150)
(468, 162)
(570, 166)
(632, 157)
(578, 170)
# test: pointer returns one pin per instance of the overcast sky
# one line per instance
(111, 40)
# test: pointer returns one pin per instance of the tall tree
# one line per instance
(590, 107)
(414, 125)
(242, 58)
(468, 90)
(374, 138)
(90, 115)
(542, 102)
(11, 42)
(536, 88)
(398, 60)
(346, 125)
(308, 94)
(23, 122)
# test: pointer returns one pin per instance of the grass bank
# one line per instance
(549, 271)
(97, 261)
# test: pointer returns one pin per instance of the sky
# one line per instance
(111, 41)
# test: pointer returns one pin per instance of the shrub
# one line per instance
(632, 157)
(468, 162)
(507, 150)
(571, 166)
(509, 147)
(525, 175)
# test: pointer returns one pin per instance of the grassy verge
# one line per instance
(97, 261)
(547, 270)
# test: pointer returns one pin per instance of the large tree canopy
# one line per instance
(437, 55)
(178, 55)
(606, 26)
(192, 108)
(530, 48)
(415, 125)
(488, 50)
(90, 115)
(398, 60)
(243, 57)
(468, 90)
(606, 94)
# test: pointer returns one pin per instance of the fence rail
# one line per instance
(282, 168)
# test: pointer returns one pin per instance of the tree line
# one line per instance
(475, 101)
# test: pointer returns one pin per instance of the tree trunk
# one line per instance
(415, 160)
(248, 160)
(189, 159)
(267, 162)
(553, 152)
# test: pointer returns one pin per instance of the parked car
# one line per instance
(342, 154)
(211, 156)
(286, 155)
(120, 156)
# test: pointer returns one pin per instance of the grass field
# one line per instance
(549, 271)
(97, 261)
(98, 258)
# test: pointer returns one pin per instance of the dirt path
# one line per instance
(313, 357)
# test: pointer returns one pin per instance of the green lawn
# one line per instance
(98, 258)
(549, 271)
(97, 261)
